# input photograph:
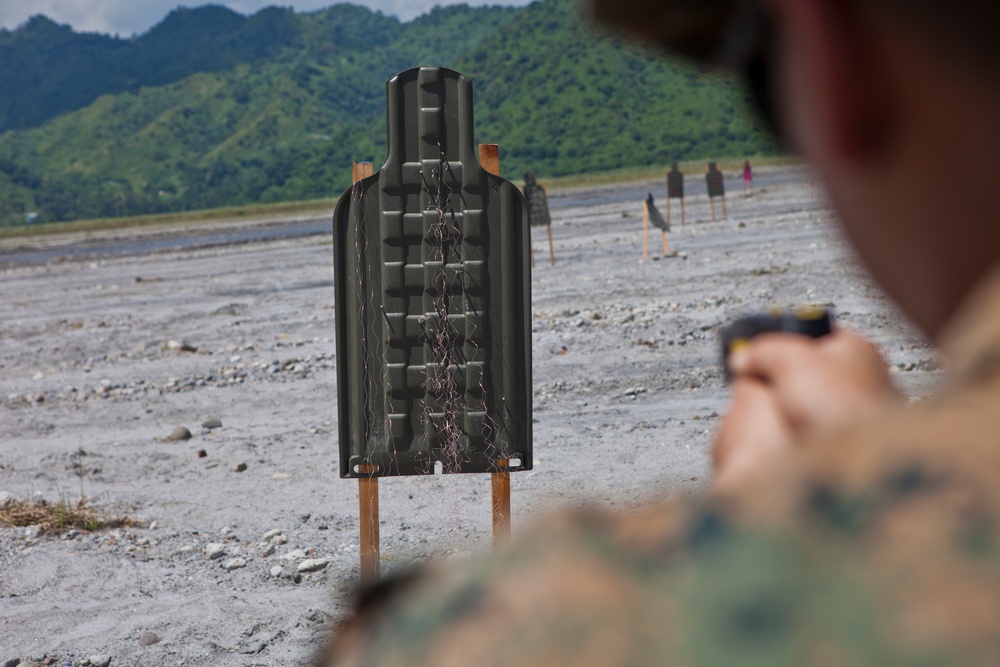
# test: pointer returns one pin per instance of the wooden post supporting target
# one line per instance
(548, 228)
(368, 506)
(367, 486)
(645, 231)
(489, 159)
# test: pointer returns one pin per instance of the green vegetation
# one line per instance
(211, 109)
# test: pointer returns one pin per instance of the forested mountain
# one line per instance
(212, 108)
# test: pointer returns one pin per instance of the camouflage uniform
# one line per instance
(878, 547)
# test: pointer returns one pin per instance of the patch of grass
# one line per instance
(59, 517)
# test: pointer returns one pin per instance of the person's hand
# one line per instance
(788, 388)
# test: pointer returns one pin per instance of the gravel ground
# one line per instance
(245, 543)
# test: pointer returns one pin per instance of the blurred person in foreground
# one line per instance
(844, 526)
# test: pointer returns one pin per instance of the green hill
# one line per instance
(211, 108)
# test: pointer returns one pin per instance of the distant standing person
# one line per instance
(747, 178)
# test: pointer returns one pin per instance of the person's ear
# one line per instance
(836, 92)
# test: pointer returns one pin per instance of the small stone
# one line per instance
(13, 662)
(252, 648)
(142, 541)
(235, 564)
(277, 570)
(6, 499)
(152, 525)
(279, 539)
(281, 476)
(212, 422)
(179, 433)
(38, 376)
(313, 565)
(240, 467)
(268, 551)
(148, 639)
(215, 550)
(291, 574)
(99, 660)
(271, 533)
(297, 554)
(202, 453)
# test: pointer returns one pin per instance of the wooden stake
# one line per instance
(548, 227)
(368, 507)
(552, 252)
(489, 159)
(367, 486)
(360, 170)
(501, 503)
(645, 231)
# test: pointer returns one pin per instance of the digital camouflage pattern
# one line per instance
(878, 547)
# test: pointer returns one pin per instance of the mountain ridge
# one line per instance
(282, 102)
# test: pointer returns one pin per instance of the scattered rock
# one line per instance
(277, 570)
(235, 564)
(271, 533)
(148, 639)
(252, 648)
(240, 467)
(202, 453)
(6, 499)
(291, 574)
(297, 554)
(99, 660)
(279, 539)
(178, 434)
(13, 662)
(212, 422)
(313, 565)
(215, 550)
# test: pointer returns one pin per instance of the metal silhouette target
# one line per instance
(538, 202)
(432, 297)
(675, 182)
(714, 182)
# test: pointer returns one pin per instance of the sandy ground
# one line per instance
(96, 356)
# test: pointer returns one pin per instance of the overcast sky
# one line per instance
(125, 17)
